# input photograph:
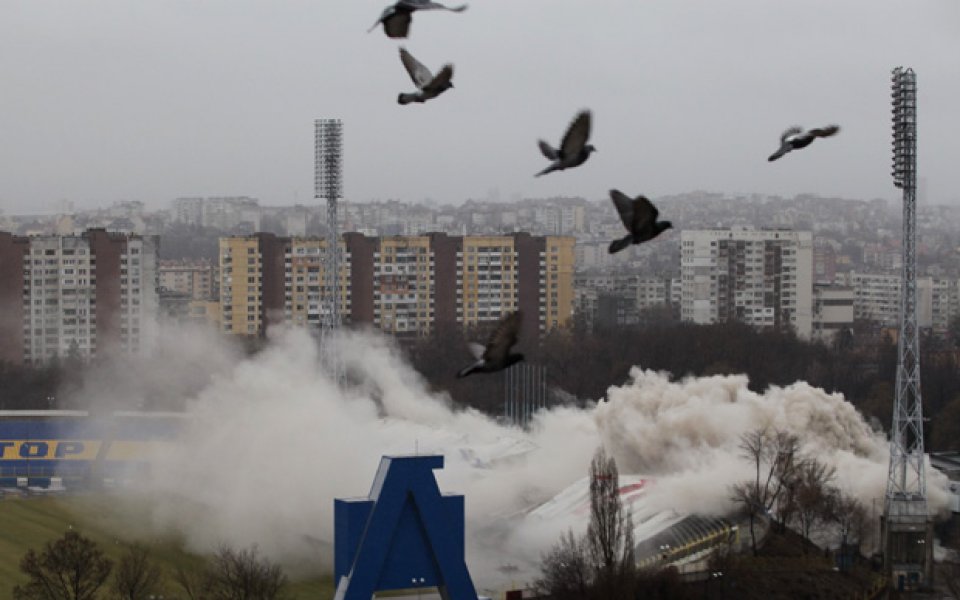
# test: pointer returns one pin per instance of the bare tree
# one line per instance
(136, 577)
(565, 570)
(787, 503)
(70, 568)
(775, 455)
(235, 575)
(812, 494)
(241, 575)
(602, 564)
(605, 532)
(743, 494)
(610, 533)
(850, 516)
(190, 583)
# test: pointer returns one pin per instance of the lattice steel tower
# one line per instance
(328, 183)
(907, 545)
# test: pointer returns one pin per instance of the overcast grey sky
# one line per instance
(102, 100)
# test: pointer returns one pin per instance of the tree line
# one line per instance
(74, 567)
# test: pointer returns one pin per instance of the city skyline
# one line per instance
(153, 102)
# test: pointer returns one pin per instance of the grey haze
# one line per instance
(105, 100)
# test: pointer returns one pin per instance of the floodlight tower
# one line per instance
(907, 530)
(328, 183)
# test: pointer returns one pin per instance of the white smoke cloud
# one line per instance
(272, 441)
(686, 434)
(184, 360)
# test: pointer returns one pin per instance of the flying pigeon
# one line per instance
(574, 149)
(497, 356)
(396, 18)
(640, 217)
(428, 85)
(796, 138)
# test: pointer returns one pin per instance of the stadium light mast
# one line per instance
(328, 184)
(907, 530)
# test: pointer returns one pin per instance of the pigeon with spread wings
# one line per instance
(396, 18)
(496, 355)
(429, 86)
(639, 216)
(574, 149)
(796, 138)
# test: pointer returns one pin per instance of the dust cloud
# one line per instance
(272, 440)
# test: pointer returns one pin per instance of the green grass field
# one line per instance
(31, 522)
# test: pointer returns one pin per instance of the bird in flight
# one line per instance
(796, 138)
(639, 215)
(428, 85)
(496, 355)
(574, 149)
(396, 18)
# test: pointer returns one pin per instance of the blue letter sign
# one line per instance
(405, 534)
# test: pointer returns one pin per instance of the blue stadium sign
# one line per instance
(405, 534)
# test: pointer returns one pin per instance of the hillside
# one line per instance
(30, 522)
(790, 567)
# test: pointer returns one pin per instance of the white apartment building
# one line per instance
(139, 294)
(760, 277)
(60, 291)
(188, 211)
(944, 303)
(224, 213)
(560, 220)
(83, 293)
(877, 298)
(832, 310)
(676, 290)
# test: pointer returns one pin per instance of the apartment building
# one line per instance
(304, 282)
(77, 295)
(832, 310)
(560, 219)
(558, 263)
(224, 213)
(188, 211)
(944, 303)
(488, 278)
(652, 291)
(406, 285)
(195, 279)
(877, 299)
(611, 299)
(252, 283)
(403, 285)
(760, 277)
